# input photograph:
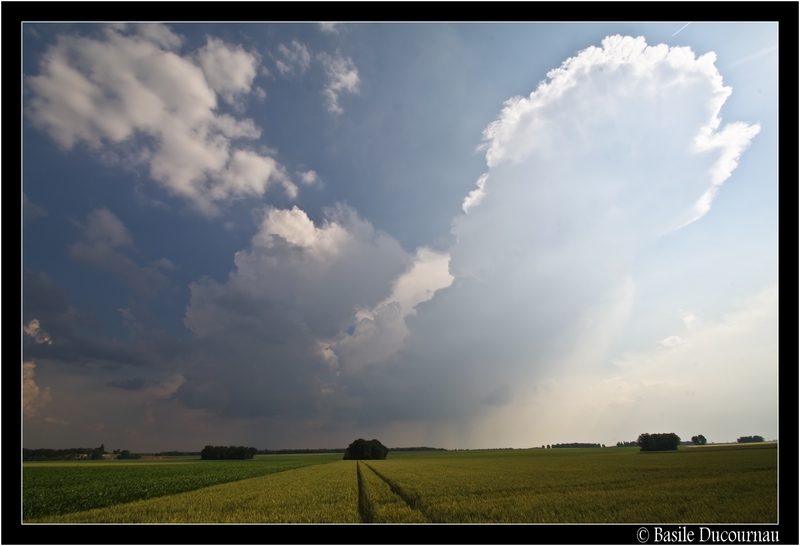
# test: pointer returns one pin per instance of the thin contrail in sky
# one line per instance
(751, 57)
(305, 209)
(683, 27)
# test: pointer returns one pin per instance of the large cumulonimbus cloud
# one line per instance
(621, 145)
(132, 93)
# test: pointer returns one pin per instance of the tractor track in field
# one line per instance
(364, 510)
(412, 501)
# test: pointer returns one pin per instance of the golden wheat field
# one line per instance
(709, 484)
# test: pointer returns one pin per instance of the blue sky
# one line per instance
(456, 235)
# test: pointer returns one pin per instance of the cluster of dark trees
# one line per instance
(627, 444)
(699, 440)
(228, 452)
(659, 442)
(750, 439)
(575, 444)
(363, 449)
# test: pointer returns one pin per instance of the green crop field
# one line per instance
(54, 488)
(692, 485)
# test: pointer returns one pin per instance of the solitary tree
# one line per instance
(659, 442)
(362, 449)
(699, 440)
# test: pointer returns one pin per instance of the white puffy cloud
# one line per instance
(103, 235)
(228, 70)
(33, 398)
(296, 228)
(309, 177)
(294, 56)
(342, 77)
(616, 94)
(132, 93)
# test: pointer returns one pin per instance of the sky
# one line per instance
(451, 235)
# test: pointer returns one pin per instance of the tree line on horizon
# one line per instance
(91, 453)
(574, 444)
(227, 452)
(648, 442)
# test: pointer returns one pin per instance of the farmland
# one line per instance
(54, 488)
(692, 485)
